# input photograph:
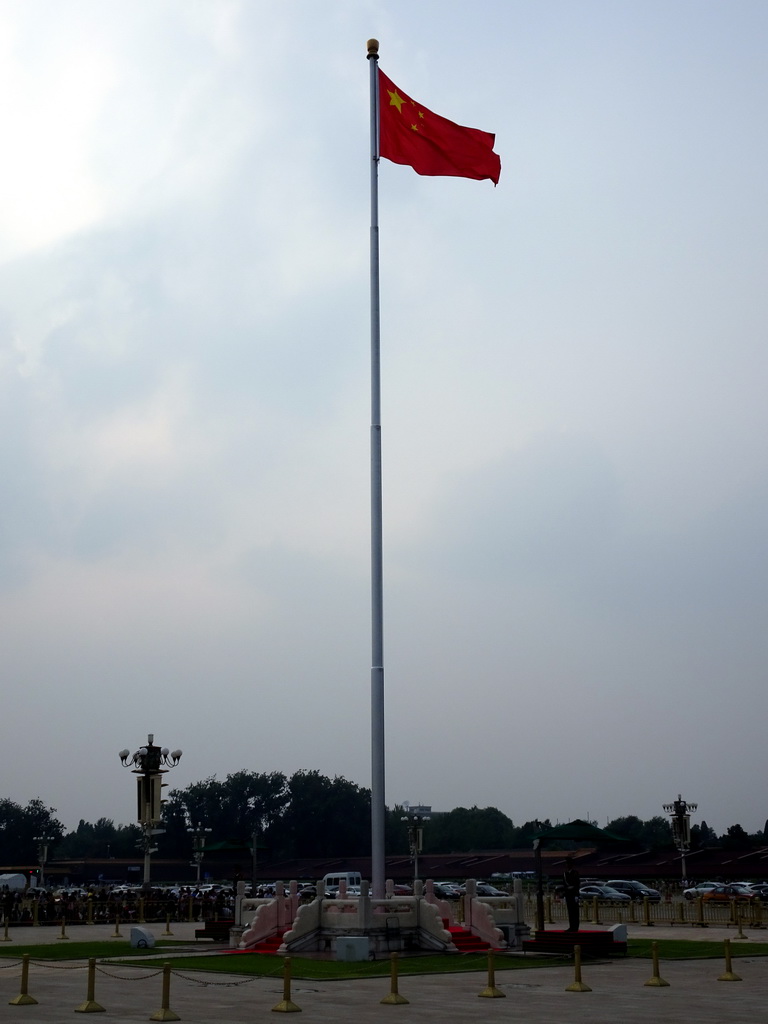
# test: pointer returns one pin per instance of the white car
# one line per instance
(698, 890)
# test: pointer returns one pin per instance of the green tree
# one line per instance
(99, 840)
(464, 829)
(233, 809)
(19, 826)
(654, 834)
(630, 827)
(736, 838)
(324, 818)
(527, 832)
(657, 833)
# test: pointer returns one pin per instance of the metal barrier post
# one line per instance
(656, 981)
(394, 996)
(757, 920)
(700, 922)
(63, 929)
(647, 913)
(165, 1012)
(578, 985)
(24, 998)
(90, 1005)
(729, 975)
(6, 937)
(287, 1005)
(490, 991)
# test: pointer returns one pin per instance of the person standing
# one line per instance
(571, 884)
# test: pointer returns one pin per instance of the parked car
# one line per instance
(447, 891)
(604, 893)
(726, 893)
(485, 889)
(635, 890)
(698, 890)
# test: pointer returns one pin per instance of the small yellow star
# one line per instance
(414, 127)
(395, 100)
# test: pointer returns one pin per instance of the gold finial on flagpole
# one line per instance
(373, 47)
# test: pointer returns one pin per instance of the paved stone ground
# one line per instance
(535, 996)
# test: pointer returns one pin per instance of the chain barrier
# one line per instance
(220, 984)
(134, 977)
(58, 967)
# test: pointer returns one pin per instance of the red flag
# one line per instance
(430, 144)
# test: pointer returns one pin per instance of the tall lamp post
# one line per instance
(681, 826)
(150, 763)
(414, 819)
(42, 856)
(198, 834)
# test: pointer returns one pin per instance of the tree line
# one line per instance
(306, 814)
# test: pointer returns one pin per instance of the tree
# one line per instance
(233, 809)
(630, 827)
(464, 829)
(19, 827)
(525, 835)
(657, 833)
(736, 838)
(324, 818)
(100, 840)
(654, 834)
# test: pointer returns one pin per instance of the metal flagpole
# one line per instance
(377, 600)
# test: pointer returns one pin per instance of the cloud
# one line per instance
(546, 509)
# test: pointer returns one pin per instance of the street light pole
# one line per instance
(415, 818)
(148, 762)
(681, 827)
(198, 834)
(42, 856)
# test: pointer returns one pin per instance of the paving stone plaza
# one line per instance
(618, 990)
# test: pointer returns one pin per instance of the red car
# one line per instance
(726, 893)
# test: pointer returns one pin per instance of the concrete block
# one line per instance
(141, 938)
(352, 948)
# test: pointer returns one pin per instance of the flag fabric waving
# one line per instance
(410, 134)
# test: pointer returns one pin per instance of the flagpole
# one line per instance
(377, 590)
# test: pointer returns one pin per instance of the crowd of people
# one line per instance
(101, 904)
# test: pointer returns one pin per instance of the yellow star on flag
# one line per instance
(395, 100)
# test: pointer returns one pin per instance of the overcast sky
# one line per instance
(574, 402)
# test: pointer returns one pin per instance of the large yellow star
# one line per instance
(395, 100)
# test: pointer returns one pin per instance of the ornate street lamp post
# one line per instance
(415, 818)
(681, 827)
(150, 763)
(42, 856)
(198, 834)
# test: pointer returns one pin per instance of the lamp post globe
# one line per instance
(149, 763)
